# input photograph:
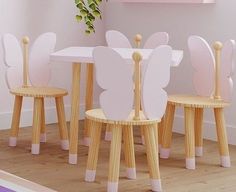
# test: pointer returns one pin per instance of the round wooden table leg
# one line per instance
(114, 162)
(189, 137)
(75, 102)
(15, 123)
(167, 131)
(62, 123)
(222, 137)
(108, 132)
(89, 100)
(152, 157)
(95, 130)
(198, 127)
(129, 152)
(37, 119)
(43, 136)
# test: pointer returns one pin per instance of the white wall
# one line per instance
(33, 17)
(211, 21)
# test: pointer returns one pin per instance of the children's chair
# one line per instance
(117, 110)
(38, 69)
(213, 84)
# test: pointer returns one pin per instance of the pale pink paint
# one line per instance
(156, 39)
(166, 1)
(116, 39)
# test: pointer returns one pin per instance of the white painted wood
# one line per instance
(84, 55)
(13, 59)
(116, 39)
(156, 77)
(114, 75)
(39, 69)
(203, 62)
(156, 39)
(227, 69)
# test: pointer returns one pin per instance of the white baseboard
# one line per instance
(209, 131)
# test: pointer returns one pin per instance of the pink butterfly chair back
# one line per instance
(203, 61)
(116, 39)
(13, 59)
(156, 39)
(39, 68)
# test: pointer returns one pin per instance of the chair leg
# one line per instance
(198, 126)
(167, 131)
(160, 129)
(62, 123)
(114, 162)
(37, 118)
(15, 121)
(43, 137)
(95, 130)
(189, 137)
(129, 152)
(152, 157)
(108, 133)
(142, 134)
(222, 137)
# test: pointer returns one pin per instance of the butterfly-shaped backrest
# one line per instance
(116, 39)
(203, 61)
(115, 76)
(39, 71)
(156, 39)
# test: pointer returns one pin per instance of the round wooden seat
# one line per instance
(39, 92)
(196, 101)
(97, 115)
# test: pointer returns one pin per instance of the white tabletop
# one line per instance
(84, 54)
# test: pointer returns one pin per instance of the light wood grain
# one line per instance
(25, 42)
(43, 126)
(198, 127)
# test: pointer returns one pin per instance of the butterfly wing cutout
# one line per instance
(13, 59)
(114, 75)
(203, 63)
(116, 39)
(227, 68)
(156, 77)
(156, 39)
(39, 68)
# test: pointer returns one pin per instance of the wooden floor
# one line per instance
(50, 168)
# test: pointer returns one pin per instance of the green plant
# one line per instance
(88, 12)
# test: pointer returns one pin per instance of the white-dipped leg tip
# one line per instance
(164, 153)
(156, 185)
(43, 138)
(112, 187)
(65, 144)
(143, 140)
(86, 141)
(190, 163)
(12, 141)
(108, 136)
(225, 161)
(35, 149)
(73, 159)
(198, 151)
(90, 175)
(131, 173)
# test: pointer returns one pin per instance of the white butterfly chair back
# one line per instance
(156, 39)
(116, 39)
(39, 68)
(13, 59)
(115, 76)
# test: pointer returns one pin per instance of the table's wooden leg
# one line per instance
(128, 139)
(222, 137)
(167, 132)
(189, 137)
(15, 121)
(75, 102)
(152, 157)
(96, 129)
(114, 162)
(62, 123)
(89, 100)
(198, 126)
(37, 119)
(43, 136)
